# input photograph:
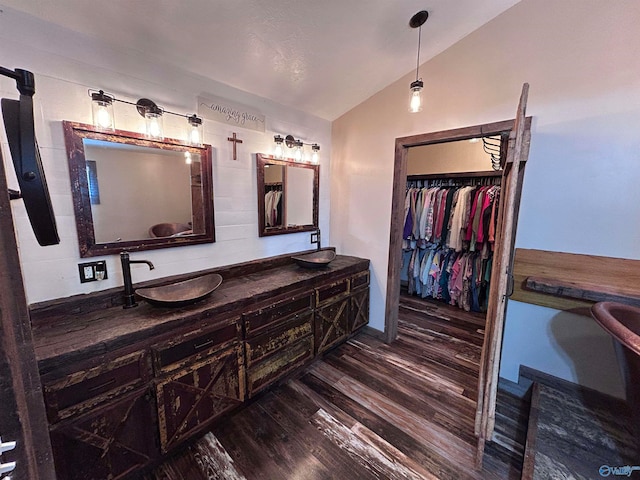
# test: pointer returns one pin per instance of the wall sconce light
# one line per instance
(152, 114)
(415, 104)
(298, 145)
(278, 151)
(195, 135)
(315, 155)
(102, 110)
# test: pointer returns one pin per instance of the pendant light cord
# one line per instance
(418, 59)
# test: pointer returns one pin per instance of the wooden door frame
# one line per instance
(397, 204)
(22, 411)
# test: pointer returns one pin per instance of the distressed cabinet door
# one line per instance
(358, 309)
(331, 324)
(190, 398)
(107, 443)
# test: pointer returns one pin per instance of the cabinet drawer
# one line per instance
(279, 338)
(194, 345)
(360, 280)
(82, 390)
(272, 368)
(256, 322)
(331, 293)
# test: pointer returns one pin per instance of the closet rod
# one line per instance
(439, 176)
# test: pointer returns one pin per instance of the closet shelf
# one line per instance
(581, 290)
(437, 176)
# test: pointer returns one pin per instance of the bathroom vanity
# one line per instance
(124, 386)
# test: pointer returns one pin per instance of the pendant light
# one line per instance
(415, 103)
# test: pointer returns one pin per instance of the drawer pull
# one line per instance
(102, 385)
(208, 343)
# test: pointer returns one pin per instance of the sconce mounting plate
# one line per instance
(145, 105)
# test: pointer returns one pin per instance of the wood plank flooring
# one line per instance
(367, 410)
(576, 432)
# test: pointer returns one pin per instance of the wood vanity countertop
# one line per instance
(78, 335)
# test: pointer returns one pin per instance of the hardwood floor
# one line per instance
(580, 434)
(367, 410)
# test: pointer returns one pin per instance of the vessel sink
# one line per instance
(181, 293)
(317, 259)
(621, 321)
(169, 230)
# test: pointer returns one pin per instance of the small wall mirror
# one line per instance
(131, 193)
(287, 196)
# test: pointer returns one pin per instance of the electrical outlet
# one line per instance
(92, 271)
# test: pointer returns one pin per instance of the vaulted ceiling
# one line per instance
(320, 56)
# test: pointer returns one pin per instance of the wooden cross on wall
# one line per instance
(235, 141)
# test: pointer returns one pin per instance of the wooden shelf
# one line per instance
(569, 281)
(437, 176)
(580, 290)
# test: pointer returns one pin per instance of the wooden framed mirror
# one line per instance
(287, 196)
(131, 193)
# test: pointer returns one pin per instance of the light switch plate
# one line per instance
(92, 271)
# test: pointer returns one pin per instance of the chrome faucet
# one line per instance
(129, 298)
(315, 238)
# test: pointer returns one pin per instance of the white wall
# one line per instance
(460, 156)
(65, 65)
(580, 195)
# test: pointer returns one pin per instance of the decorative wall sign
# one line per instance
(225, 111)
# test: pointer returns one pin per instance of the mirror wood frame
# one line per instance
(262, 160)
(74, 134)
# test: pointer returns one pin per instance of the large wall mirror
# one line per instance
(131, 193)
(287, 196)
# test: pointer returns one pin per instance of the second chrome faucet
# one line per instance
(129, 297)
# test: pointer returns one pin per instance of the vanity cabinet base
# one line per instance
(111, 442)
(121, 402)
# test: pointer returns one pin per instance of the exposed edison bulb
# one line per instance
(102, 110)
(104, 118)
(187, 158)
(297, 154)
(195, 130)
(416, 102)
(315, 155)
(195, 136)
(154, 129)
(278, 151)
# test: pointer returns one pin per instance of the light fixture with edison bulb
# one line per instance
(195, 130)
(152, 114)
(297, 146)
(415, 103)
(102, 109)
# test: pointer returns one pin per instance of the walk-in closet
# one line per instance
(451, 211)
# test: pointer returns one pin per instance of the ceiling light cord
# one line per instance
(418, 59)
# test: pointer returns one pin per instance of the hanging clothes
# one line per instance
(448, 238)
